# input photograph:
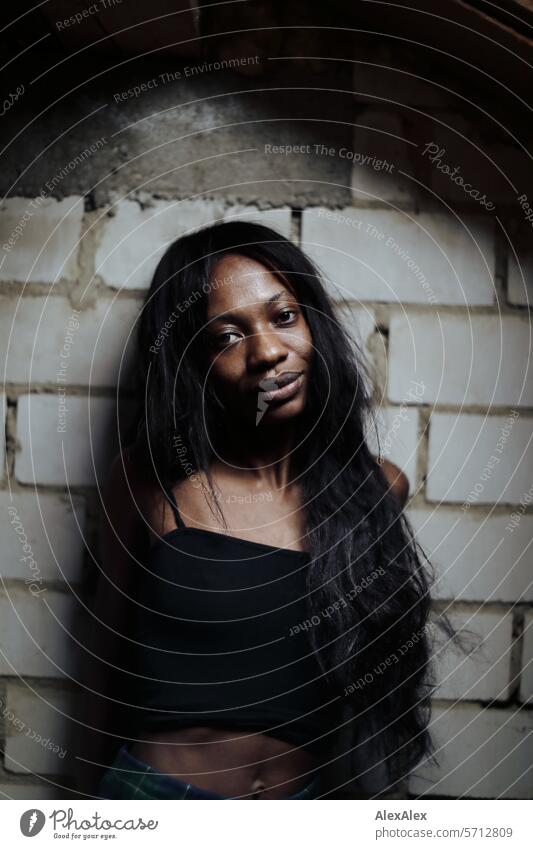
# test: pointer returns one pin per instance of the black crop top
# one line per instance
(220, 629)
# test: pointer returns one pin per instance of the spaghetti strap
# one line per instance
(172, 501)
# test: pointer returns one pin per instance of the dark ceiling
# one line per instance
(483, 43)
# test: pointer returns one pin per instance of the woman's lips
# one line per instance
(283, 392)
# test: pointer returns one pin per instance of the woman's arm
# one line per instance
(122, 537)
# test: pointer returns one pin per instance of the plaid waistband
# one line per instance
(129, 777)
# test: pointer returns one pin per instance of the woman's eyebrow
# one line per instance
(234, 316)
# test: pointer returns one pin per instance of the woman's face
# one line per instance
(259, 344)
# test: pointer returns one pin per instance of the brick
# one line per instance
(47, 247)
(39, 712)
(134, 239)
(35, 632)
(51, 526)
(471, 359)
(17, 790)
(485, 672)
(483, 753)
(520, 279)
(88, 450)
(278, 219)
(398, 438)
(385, 255)
(380, 152)
(460, 448)
(50, 341)
(475, 558)
(526, 678)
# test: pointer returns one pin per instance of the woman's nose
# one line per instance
(265, 348)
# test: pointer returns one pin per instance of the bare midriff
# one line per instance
(231, 763)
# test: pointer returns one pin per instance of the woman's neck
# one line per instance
(265, 456)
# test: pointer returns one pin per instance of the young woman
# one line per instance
(275, 624)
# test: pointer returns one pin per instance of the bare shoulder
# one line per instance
(147, 499)
(192, 495)
(397, 479)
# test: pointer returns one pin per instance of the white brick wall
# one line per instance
(460, 448)
(485, 673)
(45, 337)
(52, 529)
(34, 632)
(42, 723)
(87, 449)
(484, 754)
(456, 258)
(526, 681)
(134, 239)
(47, 246)
(476, 558)
(279, 219)
(17, 790)
(462, 359)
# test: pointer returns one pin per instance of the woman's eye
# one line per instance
(285, 313)
(222, 338)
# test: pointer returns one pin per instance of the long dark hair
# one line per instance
(376, 650)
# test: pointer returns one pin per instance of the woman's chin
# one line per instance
(277, 413)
